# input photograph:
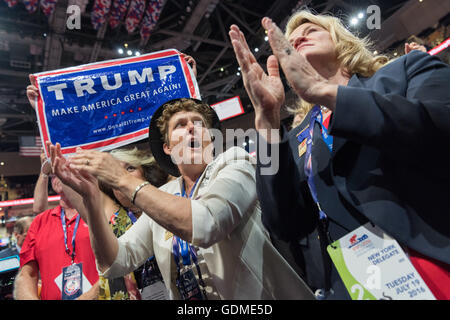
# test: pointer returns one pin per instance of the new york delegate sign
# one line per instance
(108, 104)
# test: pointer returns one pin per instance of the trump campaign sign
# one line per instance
(109, 104)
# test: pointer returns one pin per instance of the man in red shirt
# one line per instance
(50, 248)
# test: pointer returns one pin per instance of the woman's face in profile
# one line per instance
(134, 171)
(314, 42)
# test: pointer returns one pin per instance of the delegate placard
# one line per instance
(108, 104)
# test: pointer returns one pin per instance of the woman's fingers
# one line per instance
(32, 90)
(69, 177)
(32, 79)
(237, 46)
(243, 54)
(92, 162)
(273, 68)
(85, 158)
(281, 47)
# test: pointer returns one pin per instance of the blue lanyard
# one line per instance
(63, 222)
(326, 137)
(183, 190)
(132, 216)
(309, 132)
(187, 251)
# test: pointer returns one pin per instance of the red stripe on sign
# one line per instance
(189, 81)
(42, 120)
(112, 63)
(106, 142)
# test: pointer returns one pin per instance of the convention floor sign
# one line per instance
(109, 104)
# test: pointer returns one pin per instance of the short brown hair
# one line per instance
(183, 105)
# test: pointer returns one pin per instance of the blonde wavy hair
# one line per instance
(353, 53)
(144, 159)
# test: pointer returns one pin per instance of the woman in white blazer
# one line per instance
(212, 208)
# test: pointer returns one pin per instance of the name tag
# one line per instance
(373, 266)
(152, 282)
(155, 291)
(72, 282)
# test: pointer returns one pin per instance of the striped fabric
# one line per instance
(135, 14)
(152, 14)
(11, 3)
(118, 12)
(48, 6)
(31, 5)
(100, 12)
(30, 146)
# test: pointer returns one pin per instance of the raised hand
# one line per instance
(414, 46)
(301, 75)
(100, 164)
(78, 186)
(191, 61)
(265, 90)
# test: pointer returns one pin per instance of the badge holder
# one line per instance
(373, 266)
(72, 281)
(72, 276)
(187, 284)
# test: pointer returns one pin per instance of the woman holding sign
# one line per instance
(204, 228)
(367, 161)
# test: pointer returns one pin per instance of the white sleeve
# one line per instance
(135, 247)
(230, 196)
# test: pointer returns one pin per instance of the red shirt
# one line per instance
(45, 245)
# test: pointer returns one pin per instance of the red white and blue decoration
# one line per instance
(11, 3)
(99, 13)
(152, 13)
(142, 15)
(31, 5)
(135, 14)
(48, 6)
(118, 12)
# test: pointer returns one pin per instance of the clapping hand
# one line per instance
(301, 75)
(265, 90)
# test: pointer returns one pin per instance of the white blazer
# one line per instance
(240, 261)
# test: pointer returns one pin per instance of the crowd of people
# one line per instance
(367, 149)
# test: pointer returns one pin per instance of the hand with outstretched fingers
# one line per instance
(99, 164)
(301, 75)
(265, 90)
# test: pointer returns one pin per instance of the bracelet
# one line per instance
(42, 167)
(139, 187)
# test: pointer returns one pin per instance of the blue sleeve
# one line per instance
(398, 121)
(282, 198)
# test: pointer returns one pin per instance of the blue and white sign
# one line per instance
(108, 104)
